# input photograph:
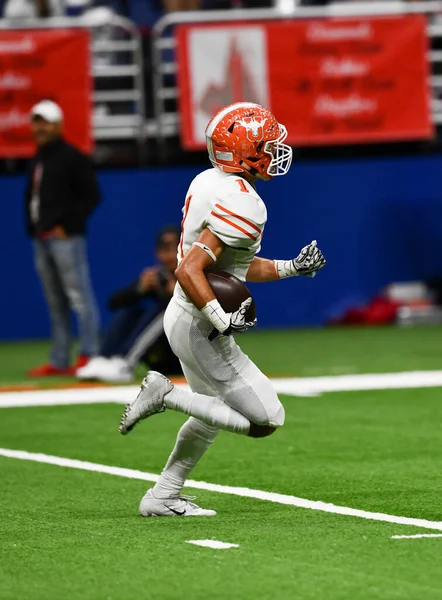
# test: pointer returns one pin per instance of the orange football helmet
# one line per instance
(246, 137)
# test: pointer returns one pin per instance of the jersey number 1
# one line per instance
(242, 185)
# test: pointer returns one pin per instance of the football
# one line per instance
(230, 292)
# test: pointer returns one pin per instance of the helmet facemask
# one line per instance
(281, 154)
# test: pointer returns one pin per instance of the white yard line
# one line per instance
(105, 395)
(223, 489)
(417, 536)
(212, 544)
(301, 386)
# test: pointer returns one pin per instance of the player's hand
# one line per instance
(309, 260)
(238, 321)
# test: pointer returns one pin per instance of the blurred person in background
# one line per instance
(61, 193)
(136, 332)
(33, 9)
(179, 5)
(227, 4)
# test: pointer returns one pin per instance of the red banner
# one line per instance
(44, 64)
(334, 81)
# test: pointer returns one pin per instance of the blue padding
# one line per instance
(377, 221)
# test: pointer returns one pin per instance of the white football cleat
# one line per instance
(171, 507)
(149, 401)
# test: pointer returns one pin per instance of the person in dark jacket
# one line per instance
(136, 332)
(61, 194)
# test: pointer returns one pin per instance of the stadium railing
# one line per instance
(125, 89)
(164, 46)
(119, 63)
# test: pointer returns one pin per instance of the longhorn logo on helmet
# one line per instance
(254, 127)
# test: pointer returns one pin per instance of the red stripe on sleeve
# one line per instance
(252, 237)
(229, 212)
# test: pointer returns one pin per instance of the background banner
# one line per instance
(330, 81)
(37, 65)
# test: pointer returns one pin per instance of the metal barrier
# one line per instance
(119, 110)
(164, 45)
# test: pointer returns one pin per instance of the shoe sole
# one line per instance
(122, 428)
(125, 430)
(182, 516)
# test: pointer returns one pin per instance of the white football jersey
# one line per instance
(231, 208)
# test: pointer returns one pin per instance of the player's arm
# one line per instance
(190, 272)
(308, 262)
(262, 269)
(190, 275)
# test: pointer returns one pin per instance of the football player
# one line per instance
(223, 223)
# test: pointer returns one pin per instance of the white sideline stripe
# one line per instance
(93, 395)
(302, 386)
(222, 489)
(418, 535)
(212, 544)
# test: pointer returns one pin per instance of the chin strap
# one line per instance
(251, 170)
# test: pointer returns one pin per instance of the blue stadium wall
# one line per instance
(377, 221)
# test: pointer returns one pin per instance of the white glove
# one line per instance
(238, 323)
(308, 262)
(227, 323)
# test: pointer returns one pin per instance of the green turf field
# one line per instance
(302, 352)
(75, 534)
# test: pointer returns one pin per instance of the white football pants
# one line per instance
(220, 368)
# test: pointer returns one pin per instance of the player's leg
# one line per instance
(165, 499)
(193, 440)
(236, 380)
(157, 392)
(245, 401)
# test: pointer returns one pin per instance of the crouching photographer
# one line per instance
(136, 332)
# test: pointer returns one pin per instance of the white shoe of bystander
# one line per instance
(93, 368)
